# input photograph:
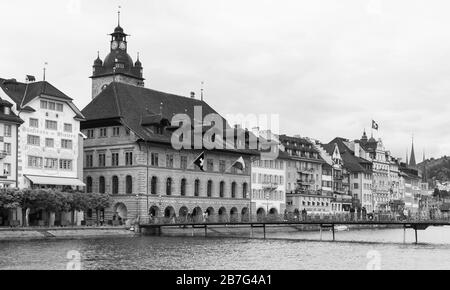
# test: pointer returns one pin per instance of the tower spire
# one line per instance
(412, 161)
(118, 16)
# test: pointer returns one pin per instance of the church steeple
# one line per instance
(412, 161)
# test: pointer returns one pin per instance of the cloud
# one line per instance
(326, 67)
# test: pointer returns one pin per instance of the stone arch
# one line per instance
(183, 213)
(223, 216)
(210, 214)
(169, 212)
(261, 214)
(234, 215)
(273, 211)
(197, 215)
(121, 211)
(154, 211)
(245, 215)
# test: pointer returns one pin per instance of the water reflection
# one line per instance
(284, 252)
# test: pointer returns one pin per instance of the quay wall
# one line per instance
(17, 234)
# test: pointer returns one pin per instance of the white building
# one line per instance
(50, 145)
(268, 182)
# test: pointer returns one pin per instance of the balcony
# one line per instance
(270, 186)
(305, 171)
(306, 182)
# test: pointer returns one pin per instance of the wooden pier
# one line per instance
(156, 229)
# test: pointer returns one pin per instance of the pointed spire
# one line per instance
(412, 161)
(118, 16)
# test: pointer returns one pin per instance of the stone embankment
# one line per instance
(13, 234)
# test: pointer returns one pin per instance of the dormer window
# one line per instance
(159, 129)
(7, 110)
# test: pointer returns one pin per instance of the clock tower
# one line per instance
(118, 65)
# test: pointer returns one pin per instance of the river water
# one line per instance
(360, 250)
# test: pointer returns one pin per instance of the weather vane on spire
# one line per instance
(118, 15)
(45, 68)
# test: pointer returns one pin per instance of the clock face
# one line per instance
(114, 45)
(123, 45)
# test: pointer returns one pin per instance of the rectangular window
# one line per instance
(33, 140)
(34, 162)
(8, 131)
(7, 169)
(67, 128)
(89, 160)
(51, 125)
(356, 186)
(222, 165)
(51, 163)
(116, 131)
(34, 123)
(66, 144)
(103, 132)
(169, 161)
(65, 164)
(49, 142)
(59, 107)
(128, 158)
(115, 159)
(7, 148)
(154, 159)
(44, 104)
(210, 165)
(90, 134)
(101, 160)
(51, 106)
(184, 162)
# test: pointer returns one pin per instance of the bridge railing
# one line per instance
(237, 219)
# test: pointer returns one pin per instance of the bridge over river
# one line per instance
(156, 228)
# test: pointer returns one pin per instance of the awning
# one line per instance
(46, 180)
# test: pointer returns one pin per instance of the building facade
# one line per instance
(49, 140)
(129, 154)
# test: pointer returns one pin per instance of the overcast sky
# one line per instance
(327, 67)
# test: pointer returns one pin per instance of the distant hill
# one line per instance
(438, 169)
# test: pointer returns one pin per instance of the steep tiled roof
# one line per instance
(22, 93)
(139, 107)
(351, 162)
(11, 117)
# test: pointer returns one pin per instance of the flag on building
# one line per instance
(200, 161)
(374, 125)
(239, 164)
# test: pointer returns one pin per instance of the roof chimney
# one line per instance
(192, 95)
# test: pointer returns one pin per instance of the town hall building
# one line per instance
(128, 151)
